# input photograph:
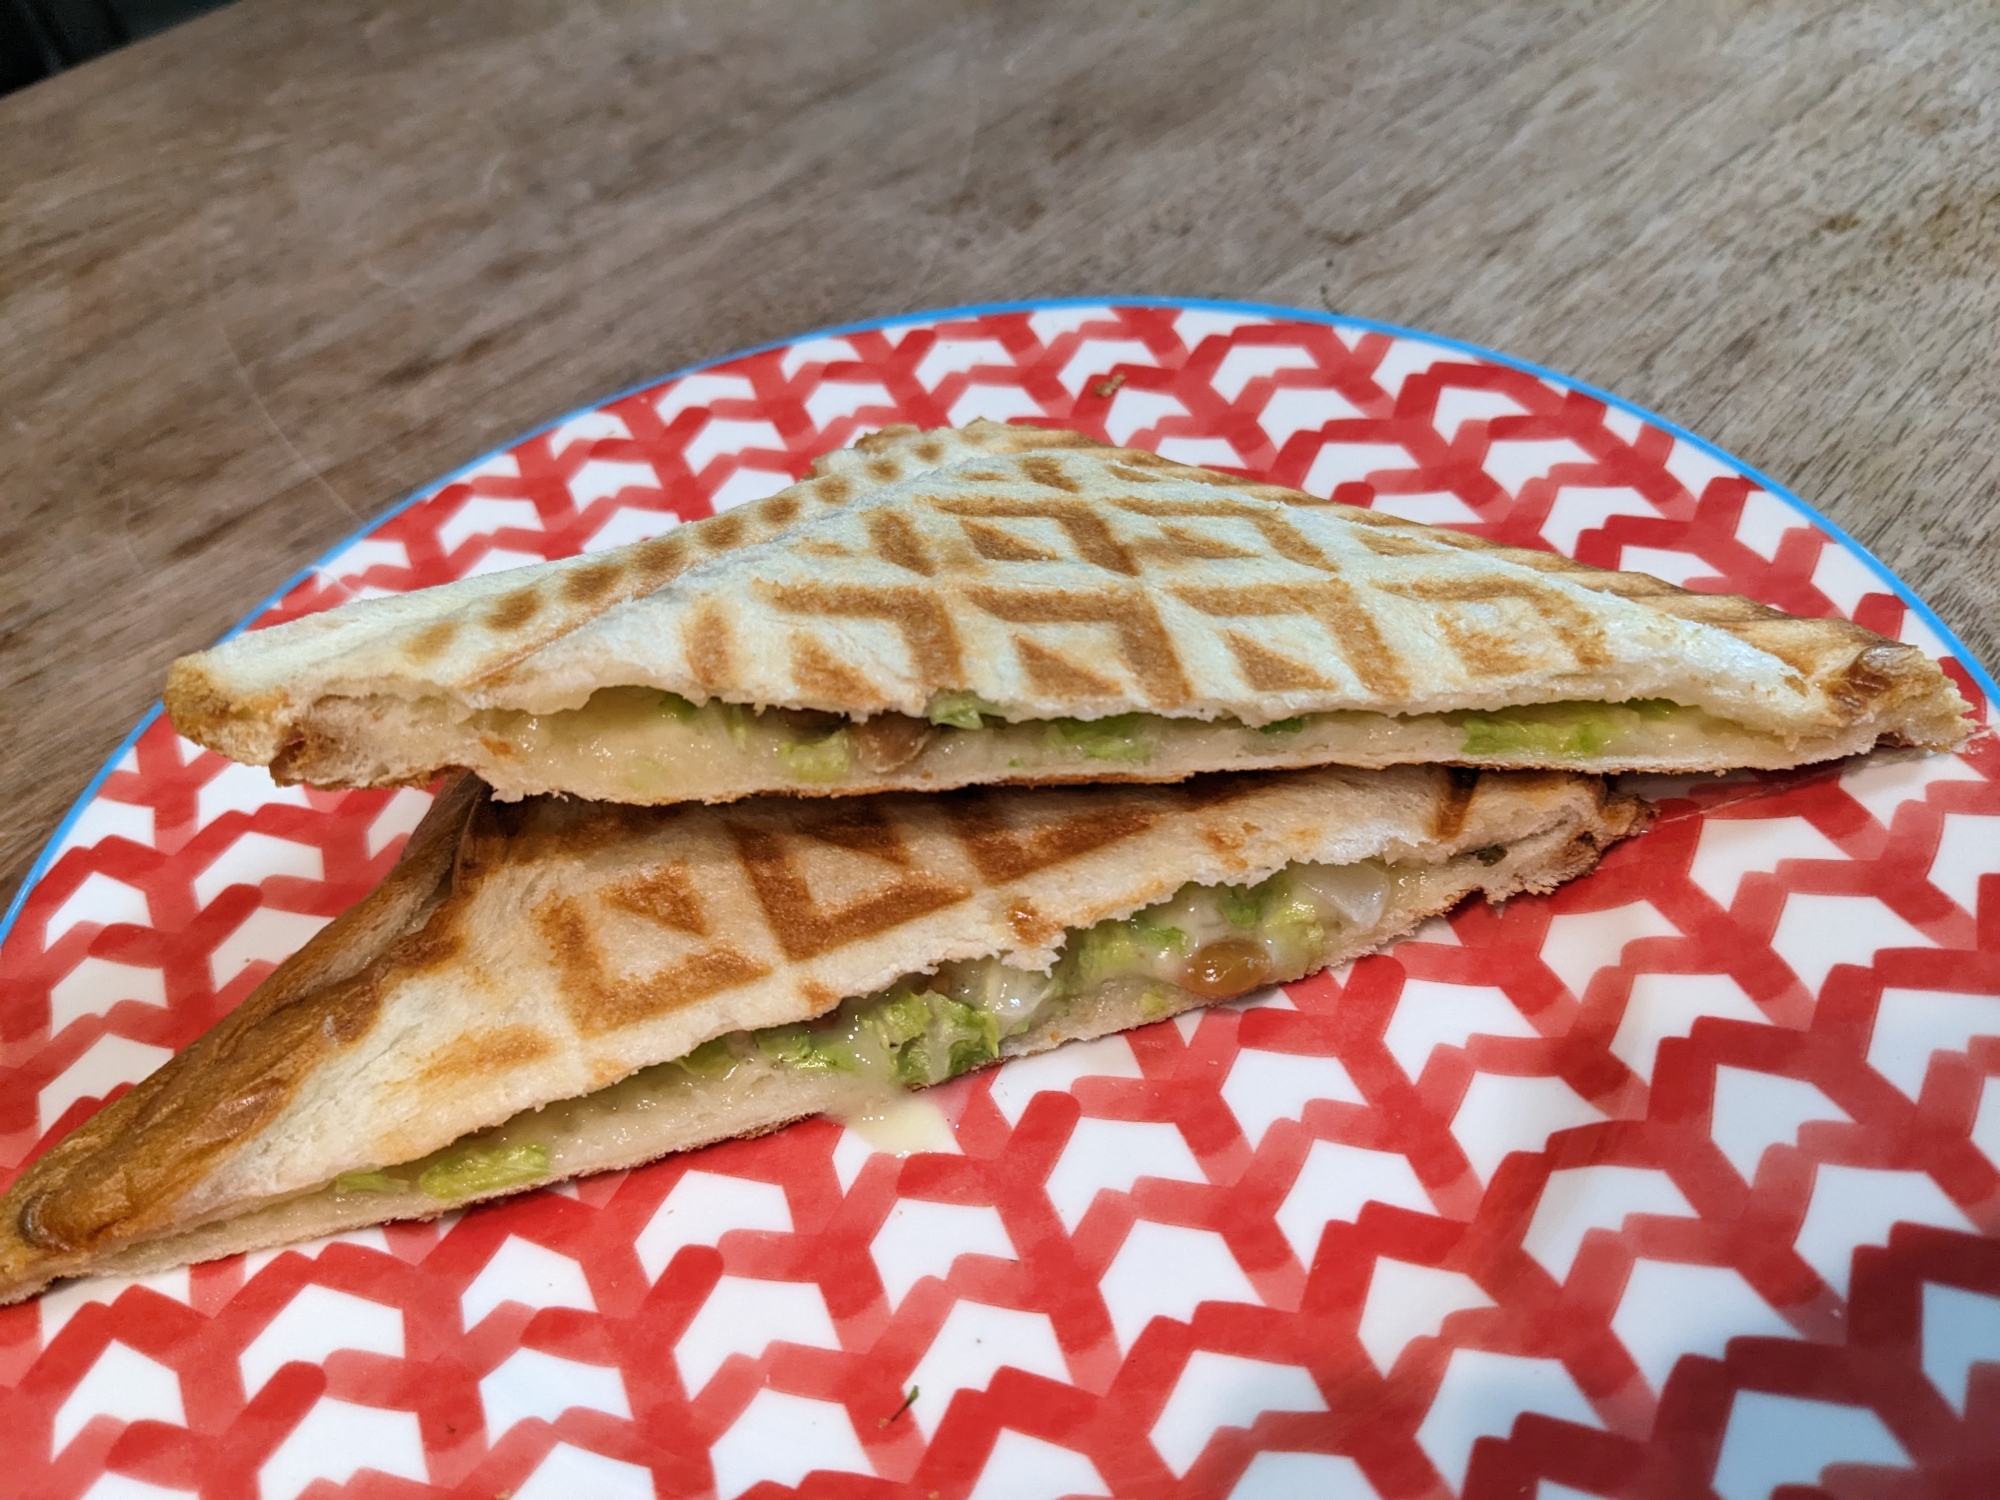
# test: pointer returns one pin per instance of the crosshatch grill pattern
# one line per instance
(1678, 1182)
(1083, 587)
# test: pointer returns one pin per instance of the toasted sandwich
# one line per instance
(1005, 604)
(552, 987)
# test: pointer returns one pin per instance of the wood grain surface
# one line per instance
(262, 276)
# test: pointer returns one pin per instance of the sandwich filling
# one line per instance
(634, 744)
(1206, 943)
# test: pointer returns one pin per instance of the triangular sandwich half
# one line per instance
(554, 987)
(1004, 604)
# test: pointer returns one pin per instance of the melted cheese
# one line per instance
(643, 746)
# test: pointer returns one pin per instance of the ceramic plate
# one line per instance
(1680, 1180)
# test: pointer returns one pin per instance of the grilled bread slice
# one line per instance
(555, 987)
(1006, 604)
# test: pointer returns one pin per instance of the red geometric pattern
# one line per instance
(1684, 1180)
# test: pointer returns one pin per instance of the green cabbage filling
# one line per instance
(469, 1173)
(367, 1182)
(1213, 940)
(818, 761)
(677, 708)
(1501, 734)
(1557, 731)
(457, 1173)
(1123, 737)
(960, 711)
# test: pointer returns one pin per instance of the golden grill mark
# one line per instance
(823, 676)
(834, 489)
(1181, 544)
(1036, 439)
(998, 545)
(1380, 522)
(896, 541)
(1056, 676)
(1167, 468)
(598, 1001)
(710, 646)
(917, 615)
(605, 1071)
(884, 469)
(859, 829)
(1334, 604)
(1459, 541)
(1280, 535)
(1129, 612)
(1001, 853)
(1394, 544)
(1361, 515)
(929, 451)
(1267, 671)
(781, 510)
(512, 611)
(591, 582)
(432, 640)
(1226, 839)
(1142, 505)
(478, 1054)
(1048, 472)
(1290, 543)
(666, 895)
(801, 925)
(656, 560)
(651, 565)
(1131, 475)
(1029, 925)
(720, 533)
(1486, 651)
(1082, 522)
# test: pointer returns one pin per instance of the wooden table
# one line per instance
(263, 275)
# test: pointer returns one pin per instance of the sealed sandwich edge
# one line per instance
(123, 1172)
